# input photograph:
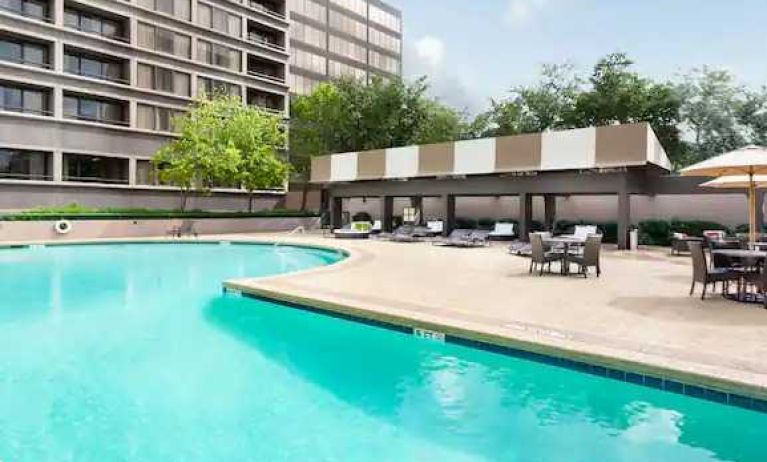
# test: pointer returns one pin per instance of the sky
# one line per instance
(474, 50)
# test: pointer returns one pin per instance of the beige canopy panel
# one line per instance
(580, 149)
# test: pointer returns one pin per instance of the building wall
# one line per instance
(333, 38)
(258, 75)
(20, 196)
(728, 209)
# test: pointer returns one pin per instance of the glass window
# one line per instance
(33, 8)
(145, 117)
(162, 79)
(145, 76)
(220, 20)
(76, 62)
(164, 6)
(146, 36)
(25, 165)
(95, 169)
(156, 118)
(181, 84)
(204, 15)
(91, 23)
(93, 109)
(235, 25)
(164, 40)
(183, 9)
(145, 173)
(19, 98)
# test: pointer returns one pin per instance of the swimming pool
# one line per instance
(130, 352)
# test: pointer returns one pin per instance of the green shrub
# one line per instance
(465, 223)
(486, 223)
(659, 232)
(609, 230)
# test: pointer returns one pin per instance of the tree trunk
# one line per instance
(250, 201)
(184, 196)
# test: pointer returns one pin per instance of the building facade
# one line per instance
(334, 38)
(88, 89)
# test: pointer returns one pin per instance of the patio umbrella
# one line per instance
(749, 162)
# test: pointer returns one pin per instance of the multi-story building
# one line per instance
(333, 38)
(88, 89)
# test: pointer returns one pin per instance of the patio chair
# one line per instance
(702, 274)
(404, 233)
(539, 257)
(186, 228)
(590, 258)
(480, 238)
(758, 280)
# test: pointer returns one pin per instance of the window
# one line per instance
(348, 25)
(157, 118)
(20, 164)
(302, 85)
(95, 169)
(91, 65)
(384, 40)
(146, 174)
(21, 98)
(310, 9)
(339, 69)
(164, 40)
(206, 86)
(21, 51)
(265, 68)
(385, 18)
(384, 62)
(357, 6)
(94, 109)
(266, 100)
(162, 79)
(308, 34)
(31, 8)
(347, 49)
(219, 55)
(265, 37)
(309, 61)
(181, 9)
(95, 24)
(218, 19)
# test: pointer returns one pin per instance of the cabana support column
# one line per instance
(336, 212)
(417, 203)
(550, 206)
(759, 211)
(449, 201)
(387, 213)
(624, 219)
(525, 216)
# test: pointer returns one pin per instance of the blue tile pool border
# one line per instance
(636, 378)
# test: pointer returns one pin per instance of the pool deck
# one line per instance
(636, 317)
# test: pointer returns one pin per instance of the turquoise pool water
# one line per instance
(132, 353)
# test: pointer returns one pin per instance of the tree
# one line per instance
(222, 143)
(712, 103)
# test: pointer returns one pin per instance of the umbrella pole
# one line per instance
(752, 209)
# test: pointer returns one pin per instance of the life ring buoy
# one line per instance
(63, 227)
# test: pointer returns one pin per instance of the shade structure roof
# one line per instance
(736, 182)
(750, 160)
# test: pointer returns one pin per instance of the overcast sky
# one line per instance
(477, 49)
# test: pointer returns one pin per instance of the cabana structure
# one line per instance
(617, 160)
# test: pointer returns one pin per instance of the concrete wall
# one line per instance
(12, 231)
(728, 209)
(18, 195)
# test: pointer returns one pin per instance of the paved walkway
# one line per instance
(637, 315)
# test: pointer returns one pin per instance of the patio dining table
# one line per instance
(566, 242)
(755, 257)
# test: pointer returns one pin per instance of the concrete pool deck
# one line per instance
(636, 317)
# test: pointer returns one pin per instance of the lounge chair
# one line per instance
(377, 227)
(458, 237)
(356, 230)
(436, 227)
(582, 232)
(539, 257)
(186, 228)
(702, 274)
(590, 257)
(503, 232)
(405, 233)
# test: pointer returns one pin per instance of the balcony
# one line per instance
(35, 9)
(87, 64)
(22, 50)
(268, 101)
(265, 69)
(92, 109)
(266, 37)
(96, 22)
(26, 99)
(268, 8)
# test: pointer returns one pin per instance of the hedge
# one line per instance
(659, 232)
(72, 213)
